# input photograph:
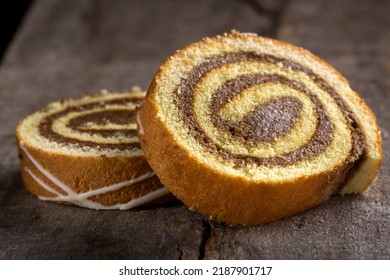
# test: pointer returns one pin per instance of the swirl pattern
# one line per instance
(99, 123)
(108, 124)
(260, 109)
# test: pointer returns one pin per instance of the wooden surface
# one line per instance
(66, 48)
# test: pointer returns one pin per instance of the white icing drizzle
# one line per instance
(141, 128)
(82, 199)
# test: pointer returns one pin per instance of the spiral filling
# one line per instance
(263, 119)
(99, 124)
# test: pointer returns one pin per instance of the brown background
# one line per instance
(66, 48)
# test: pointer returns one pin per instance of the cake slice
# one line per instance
(85, 151)
(248, 130)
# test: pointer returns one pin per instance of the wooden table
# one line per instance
(66, 48)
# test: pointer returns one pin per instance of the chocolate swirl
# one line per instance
(100, 123)
(268, 122)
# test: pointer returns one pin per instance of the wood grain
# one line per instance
(67, 48)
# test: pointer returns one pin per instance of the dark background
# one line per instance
(11, 14)
(67, 48)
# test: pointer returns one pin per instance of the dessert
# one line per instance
(248, 130)
(85, 151)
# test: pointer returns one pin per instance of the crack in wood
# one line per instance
(180, 250)
(275, 15)
(206, 233)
